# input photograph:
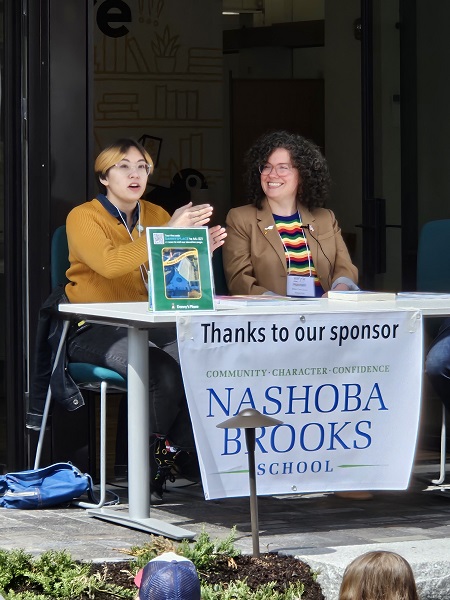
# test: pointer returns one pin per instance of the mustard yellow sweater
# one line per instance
(104, 262)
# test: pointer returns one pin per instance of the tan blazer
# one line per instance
(254, 258)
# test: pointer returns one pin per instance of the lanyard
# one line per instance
(139, 229)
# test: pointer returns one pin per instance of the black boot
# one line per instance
(167, 463)
(160, 467)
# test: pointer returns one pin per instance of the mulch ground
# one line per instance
(268, 567)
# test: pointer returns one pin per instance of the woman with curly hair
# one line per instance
(378, 575)
(285, 242)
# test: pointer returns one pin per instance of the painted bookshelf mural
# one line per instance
(159, 78)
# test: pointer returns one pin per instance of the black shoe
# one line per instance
(168, 462)
(121, 472)
(155, 496)
(185, 466)
(161, 460)
(34, 421)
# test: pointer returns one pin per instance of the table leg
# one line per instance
(138, 425)
(138, 515)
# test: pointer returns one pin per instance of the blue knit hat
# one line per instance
(168, 577)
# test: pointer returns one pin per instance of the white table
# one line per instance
(133, 316)
(138, 319)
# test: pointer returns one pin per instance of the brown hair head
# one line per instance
(378, 575)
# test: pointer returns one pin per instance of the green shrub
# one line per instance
(56, 575)
(239, 590)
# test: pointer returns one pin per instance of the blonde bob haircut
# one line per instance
(114, 153)
(378, 575)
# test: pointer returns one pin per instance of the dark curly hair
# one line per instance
(305, 156)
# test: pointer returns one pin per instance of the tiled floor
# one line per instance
(303, 523)
(312, 526)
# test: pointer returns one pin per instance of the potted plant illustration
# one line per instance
(165, 50)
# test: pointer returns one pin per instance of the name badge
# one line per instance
(300, 286)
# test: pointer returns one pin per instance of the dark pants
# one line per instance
(107, 346)
(437, 365)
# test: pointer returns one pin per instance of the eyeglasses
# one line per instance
(281, 169)
(141, 168)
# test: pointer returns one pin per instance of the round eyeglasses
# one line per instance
(141, 168)
(281, 169)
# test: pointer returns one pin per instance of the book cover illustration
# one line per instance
(180, 276)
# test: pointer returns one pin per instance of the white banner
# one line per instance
(347, 388)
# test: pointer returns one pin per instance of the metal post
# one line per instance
(250, 441)
(248, 419)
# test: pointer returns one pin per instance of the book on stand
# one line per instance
(360, 295)
(180, 274)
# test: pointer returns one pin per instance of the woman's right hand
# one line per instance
(191, 216)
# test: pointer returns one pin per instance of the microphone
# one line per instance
(309, 227)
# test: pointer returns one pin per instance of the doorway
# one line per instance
(405, 128)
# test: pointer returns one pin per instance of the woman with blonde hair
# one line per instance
(379, 575)
(109, 263)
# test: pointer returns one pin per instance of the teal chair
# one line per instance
(87, 376)
(433, 264)
(433, 275)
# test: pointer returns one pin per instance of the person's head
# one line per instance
(168, 577)
(377, 575)
(305, 168)
(123, 167)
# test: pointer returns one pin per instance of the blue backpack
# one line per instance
(38, 488)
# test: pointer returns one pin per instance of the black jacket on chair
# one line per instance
(63, 388)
